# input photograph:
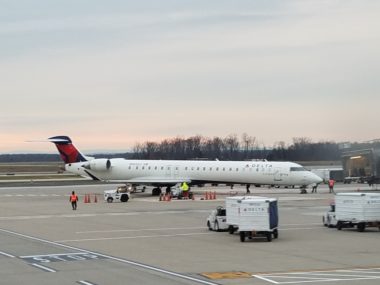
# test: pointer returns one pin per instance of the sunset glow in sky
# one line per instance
(112, 73)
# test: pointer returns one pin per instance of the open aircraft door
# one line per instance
(278, 174)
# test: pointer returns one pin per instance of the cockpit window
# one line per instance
(297, 169)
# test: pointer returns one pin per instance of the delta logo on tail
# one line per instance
(67, 150)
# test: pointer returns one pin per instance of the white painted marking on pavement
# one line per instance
(130, 262)
(101, 214)
(265, 279)
(292, 229)
(47, 255)
(43, 267)
(132, 237)
(6, 254)
(138, 230)
(321, 276)
(85, 282)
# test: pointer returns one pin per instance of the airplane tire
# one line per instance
(361, 227)
(156, 192)
(242, 236)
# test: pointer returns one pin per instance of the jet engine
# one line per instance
(101, 164)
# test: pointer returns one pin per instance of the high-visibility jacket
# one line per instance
(331, 182)
(73, 198)
(184, 186)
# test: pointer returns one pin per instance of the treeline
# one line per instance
(231, 147)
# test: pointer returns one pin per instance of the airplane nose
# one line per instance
(317, 179)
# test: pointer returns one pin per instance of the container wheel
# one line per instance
(231, 230)
(275, 233)
(361, 227)
(269, 236)
(242, 236)
(339, 225)
(209, 226)
(109, 200)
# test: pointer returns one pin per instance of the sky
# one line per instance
(111, 74)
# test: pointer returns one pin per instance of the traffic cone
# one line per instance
(88, 198)
(214, 196)
(96, 199)
(85, 199)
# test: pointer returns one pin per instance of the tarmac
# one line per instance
(144, 241)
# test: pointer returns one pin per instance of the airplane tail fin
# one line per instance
(67, 150)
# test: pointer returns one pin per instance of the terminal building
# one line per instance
(362, 165)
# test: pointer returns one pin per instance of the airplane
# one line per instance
(167, 173)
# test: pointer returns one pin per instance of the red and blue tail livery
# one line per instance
(67, 150)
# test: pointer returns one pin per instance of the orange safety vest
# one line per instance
(73, 198)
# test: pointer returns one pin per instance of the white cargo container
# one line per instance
(258, 217)
(233, 210)
(357, 209)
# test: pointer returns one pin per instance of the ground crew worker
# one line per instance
(331, 185)
(314, 188)
(185, 189)
(73, 200)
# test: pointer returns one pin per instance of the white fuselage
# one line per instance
(170, 171)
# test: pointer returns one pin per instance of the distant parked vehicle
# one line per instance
(357, 209)
(216, 221)
(328, 218)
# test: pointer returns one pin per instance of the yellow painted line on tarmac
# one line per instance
(227, 275)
